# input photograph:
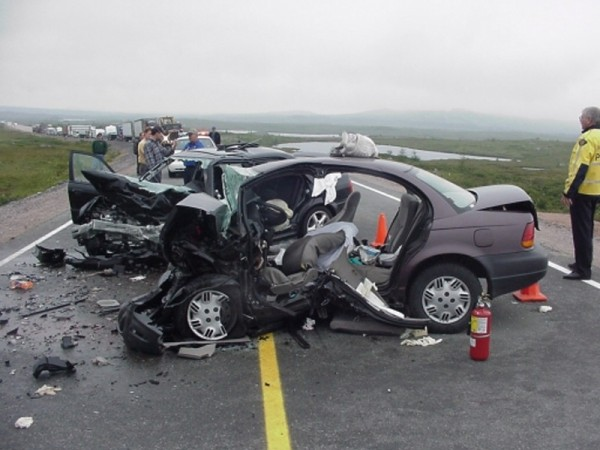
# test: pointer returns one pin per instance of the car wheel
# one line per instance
(170, 174)
(445, 294)
(315, 218)
(211, 309)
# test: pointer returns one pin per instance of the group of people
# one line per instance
(153, 147)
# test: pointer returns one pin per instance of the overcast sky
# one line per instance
(524, 58)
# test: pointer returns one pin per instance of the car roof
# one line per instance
(369, 165)
(238, 153)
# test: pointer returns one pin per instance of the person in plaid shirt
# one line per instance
(155, 152)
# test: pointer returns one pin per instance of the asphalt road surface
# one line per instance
(538, 390)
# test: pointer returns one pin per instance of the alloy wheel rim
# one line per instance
(317, 220)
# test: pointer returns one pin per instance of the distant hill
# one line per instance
(453, 124)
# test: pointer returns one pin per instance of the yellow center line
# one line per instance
(276, 427)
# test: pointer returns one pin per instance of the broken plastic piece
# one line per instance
(206, 351)
(67, 342)
(100, 361)
(50, 257)
(52, 364)
(47, 390)
(23, 422)
(109, 305)
(545, 309)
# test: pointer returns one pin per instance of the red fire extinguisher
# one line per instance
(480, 330)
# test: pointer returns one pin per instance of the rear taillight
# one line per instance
(528, 238)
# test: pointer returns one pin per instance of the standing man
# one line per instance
(155, 152)
(99, 147)
(215, 136)
(582, 192)
(142, 167)
(190, 166)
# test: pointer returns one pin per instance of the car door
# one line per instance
(79, 189)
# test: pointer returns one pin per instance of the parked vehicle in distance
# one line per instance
(126, 131)
(442, 243)
(177, 167)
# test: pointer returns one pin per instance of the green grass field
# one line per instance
(33, 163)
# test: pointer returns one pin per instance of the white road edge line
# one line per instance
(565, 271)
(376, 191)
(33, 244)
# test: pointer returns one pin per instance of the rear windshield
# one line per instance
(205, 141)
(459, 198)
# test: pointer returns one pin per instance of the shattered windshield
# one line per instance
(233, 177)
(80, 162)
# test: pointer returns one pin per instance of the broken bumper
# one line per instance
(136, 326)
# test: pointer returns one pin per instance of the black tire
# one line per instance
(315, 218)
(170, 174)
(445, 294)
(211, 310)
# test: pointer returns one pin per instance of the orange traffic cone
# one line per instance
(530, 294)
(381, 231)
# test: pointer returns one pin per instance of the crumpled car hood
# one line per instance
(144, 200)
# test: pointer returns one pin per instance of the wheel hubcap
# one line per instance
(208, 312)
(446, 299)
(317, 220)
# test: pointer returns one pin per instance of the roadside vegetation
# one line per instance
(31, 163)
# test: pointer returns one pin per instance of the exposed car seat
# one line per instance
(399, 229)
(349, 209)
(299, 266)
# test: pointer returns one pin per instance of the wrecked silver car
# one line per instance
(119, 217)
(232, 274)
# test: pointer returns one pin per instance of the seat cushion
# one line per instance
(304, 253)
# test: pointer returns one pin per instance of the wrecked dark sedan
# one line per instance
(117, 214)
(231, 274)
